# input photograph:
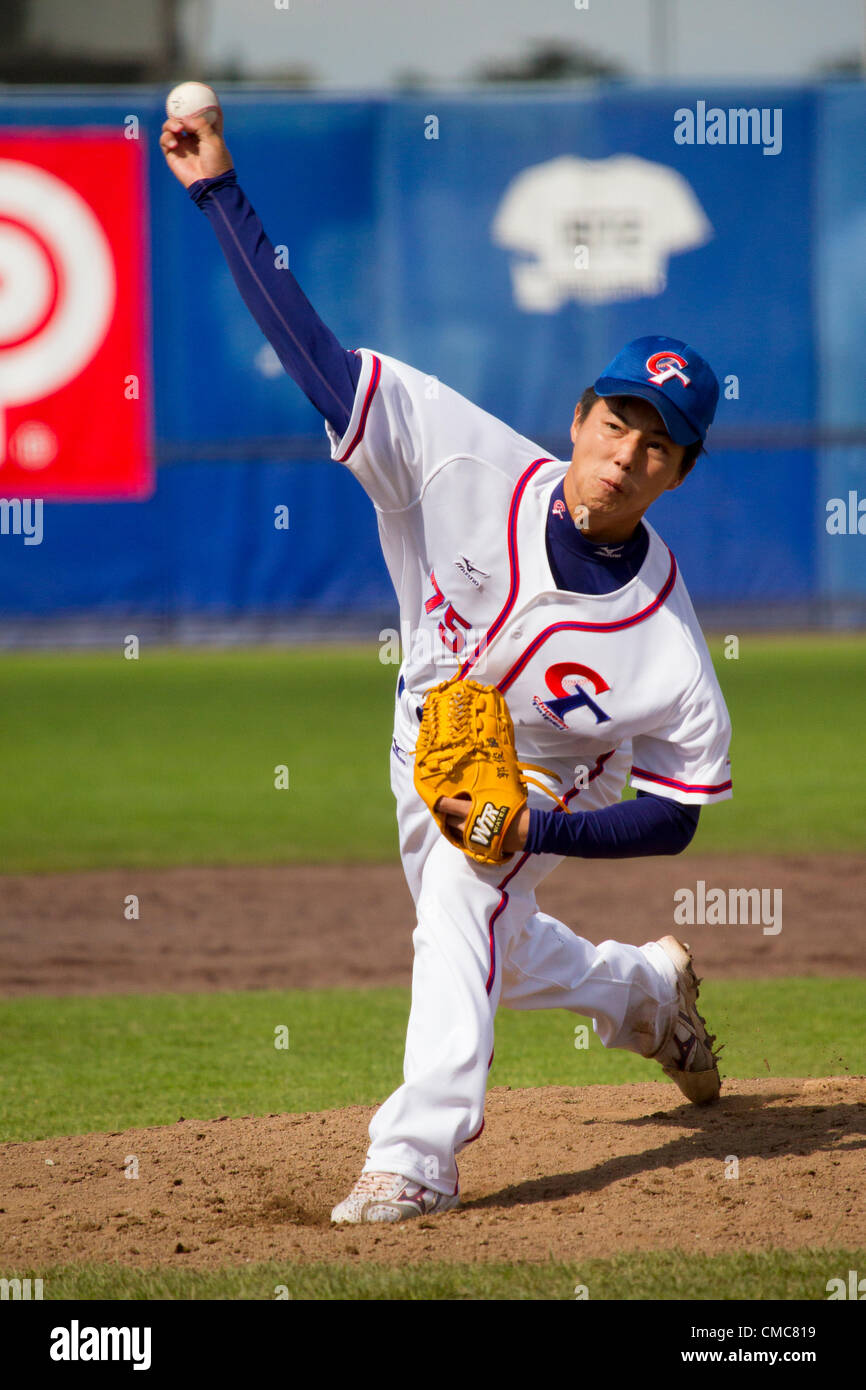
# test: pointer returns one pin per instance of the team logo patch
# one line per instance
(565, 683)
(663, 366)
(488, 823)
(466, 567)
(559, 507)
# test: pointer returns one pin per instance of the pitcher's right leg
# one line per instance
(629, 992)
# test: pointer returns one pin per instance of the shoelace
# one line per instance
(535, 782)
(373, 1184)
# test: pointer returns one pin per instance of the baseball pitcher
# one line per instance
(555, 655)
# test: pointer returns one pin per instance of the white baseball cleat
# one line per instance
(389, 1197)
(686, 1055)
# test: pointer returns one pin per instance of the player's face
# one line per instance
(622, 460)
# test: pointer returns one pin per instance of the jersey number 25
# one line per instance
(449, 627)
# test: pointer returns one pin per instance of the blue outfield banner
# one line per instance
(508, 245)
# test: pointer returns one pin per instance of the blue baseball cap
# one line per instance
(673, 377)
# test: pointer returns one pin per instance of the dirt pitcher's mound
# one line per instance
(560, 1173)
(313, 926)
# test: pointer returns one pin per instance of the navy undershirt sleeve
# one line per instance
(325, 371)
(627, 830)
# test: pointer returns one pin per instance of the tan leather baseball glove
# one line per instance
(466, 748)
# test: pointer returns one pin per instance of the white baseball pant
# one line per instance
(481, 941)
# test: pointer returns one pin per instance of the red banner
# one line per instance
(75, 386)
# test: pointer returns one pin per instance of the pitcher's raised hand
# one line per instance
(193, 148)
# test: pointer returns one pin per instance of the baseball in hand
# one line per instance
(192, 99)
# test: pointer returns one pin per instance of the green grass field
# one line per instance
(171, 759)
(127, 1062)
(776, 1274)
(120, 1062)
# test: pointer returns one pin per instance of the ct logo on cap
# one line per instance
(662, 366)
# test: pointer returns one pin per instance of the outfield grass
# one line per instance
(780, 1274)
(83, 1065)
(170, 759)
(794, 785)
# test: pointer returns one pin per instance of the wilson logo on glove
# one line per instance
(488, 824)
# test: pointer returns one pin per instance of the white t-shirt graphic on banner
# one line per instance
(597, 230)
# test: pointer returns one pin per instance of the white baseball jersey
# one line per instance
(596, 684)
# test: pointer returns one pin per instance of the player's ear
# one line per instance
(575, 424)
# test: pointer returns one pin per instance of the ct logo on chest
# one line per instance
(565, 683)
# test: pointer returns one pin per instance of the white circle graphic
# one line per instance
(33, 445)
(27, 283)
(45, 218)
